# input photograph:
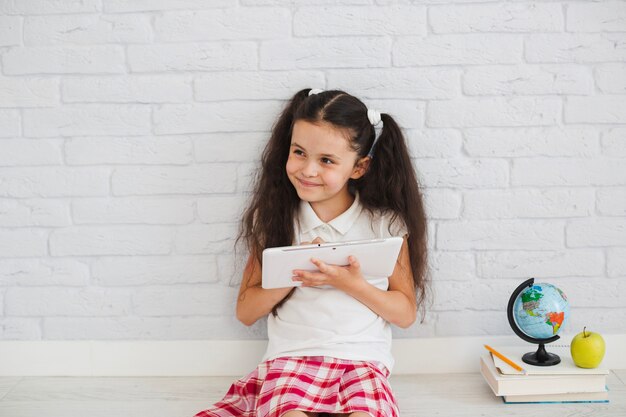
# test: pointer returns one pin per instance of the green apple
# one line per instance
(587, 349)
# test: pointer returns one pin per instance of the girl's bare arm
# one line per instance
(254, 301)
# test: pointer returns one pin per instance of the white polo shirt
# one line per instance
(326, 321)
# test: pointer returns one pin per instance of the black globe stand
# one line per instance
(540, 357)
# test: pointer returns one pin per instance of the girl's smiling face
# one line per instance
(320, 164)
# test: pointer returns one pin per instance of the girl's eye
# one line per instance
(298, 152)
(327, 161)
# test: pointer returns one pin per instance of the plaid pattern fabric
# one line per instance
(316, 384)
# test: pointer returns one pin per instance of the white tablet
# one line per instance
(377, 258)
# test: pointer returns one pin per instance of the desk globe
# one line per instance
(536, 313)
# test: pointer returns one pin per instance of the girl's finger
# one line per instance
(323, 268)
(306, 275)
(307, 282)
(319, 264)
(354, 263)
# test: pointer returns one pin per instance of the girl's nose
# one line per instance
(310, 170)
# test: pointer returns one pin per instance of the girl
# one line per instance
(332, 170)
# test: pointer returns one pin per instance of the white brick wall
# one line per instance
(130, 130)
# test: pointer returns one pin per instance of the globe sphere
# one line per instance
(541, 310)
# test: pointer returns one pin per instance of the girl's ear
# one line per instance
(360, 168)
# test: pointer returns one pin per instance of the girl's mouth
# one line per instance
(307, 183)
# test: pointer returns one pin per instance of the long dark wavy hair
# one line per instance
(389, 185)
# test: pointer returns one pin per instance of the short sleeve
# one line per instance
(398, 227)
(391, 226)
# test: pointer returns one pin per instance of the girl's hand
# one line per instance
(341, 277)
(314, 241)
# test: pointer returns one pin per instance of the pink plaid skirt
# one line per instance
(315, 384)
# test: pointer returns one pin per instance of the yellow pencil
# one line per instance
(505, 359)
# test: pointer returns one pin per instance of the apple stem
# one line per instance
(584, 334)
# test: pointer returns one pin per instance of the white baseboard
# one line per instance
(235, 358)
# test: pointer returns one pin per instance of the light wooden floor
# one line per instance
(418, 395)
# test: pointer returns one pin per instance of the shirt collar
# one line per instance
(342, 223)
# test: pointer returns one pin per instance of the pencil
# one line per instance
(505, 359)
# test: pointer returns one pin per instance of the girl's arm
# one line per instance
(397, 305)
(254, 301)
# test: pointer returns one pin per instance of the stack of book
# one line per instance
(564, 382)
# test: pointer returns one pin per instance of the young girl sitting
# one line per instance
(333, 170)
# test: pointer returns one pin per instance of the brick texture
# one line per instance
(130, 131)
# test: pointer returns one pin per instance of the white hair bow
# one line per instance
(373, 116)
(376, 121)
